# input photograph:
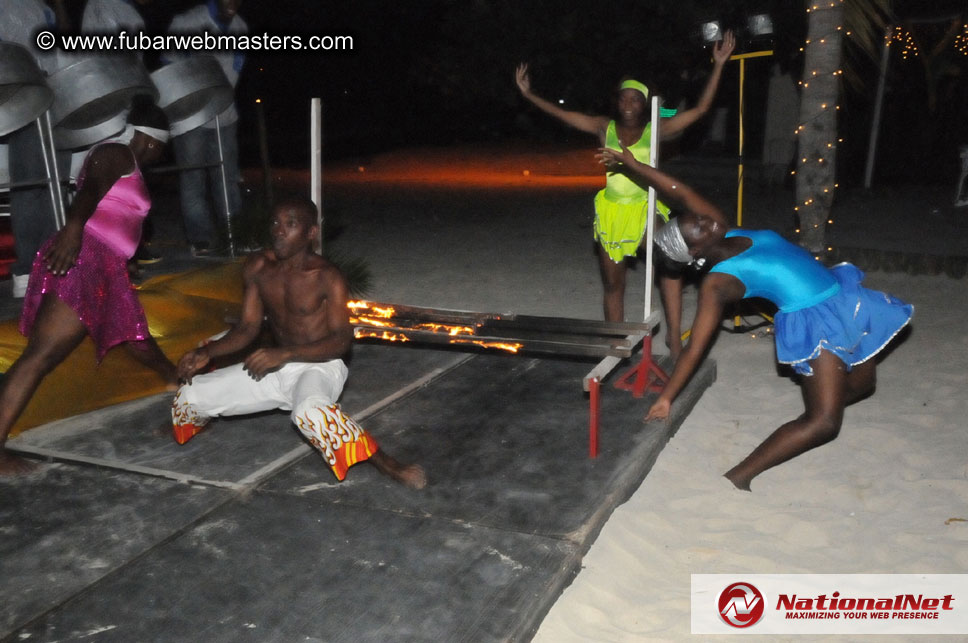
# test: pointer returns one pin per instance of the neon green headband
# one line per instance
(636, 85)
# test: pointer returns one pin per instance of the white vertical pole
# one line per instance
(316, 164)
(878, 101)
(650, 222)
(46, 133)
(225, 186)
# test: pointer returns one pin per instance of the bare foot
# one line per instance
(739, 483)
(11, 465)
(409, 475)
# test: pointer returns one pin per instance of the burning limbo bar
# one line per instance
(513, 333)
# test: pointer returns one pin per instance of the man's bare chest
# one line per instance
(297, 297)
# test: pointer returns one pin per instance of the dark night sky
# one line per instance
(440, 71)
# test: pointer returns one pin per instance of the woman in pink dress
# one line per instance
(79, 282)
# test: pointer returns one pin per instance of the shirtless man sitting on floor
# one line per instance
(302, 297)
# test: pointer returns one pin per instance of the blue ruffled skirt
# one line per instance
(854, 324)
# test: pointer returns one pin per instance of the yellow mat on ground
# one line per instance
(182, 310)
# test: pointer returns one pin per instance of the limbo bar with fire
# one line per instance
(612, 341)
(507, 332)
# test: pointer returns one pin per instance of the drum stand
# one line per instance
(225, 187)
(53, 180)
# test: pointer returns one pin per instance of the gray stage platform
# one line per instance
(244, 535)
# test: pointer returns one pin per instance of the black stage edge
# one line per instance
(244, 535)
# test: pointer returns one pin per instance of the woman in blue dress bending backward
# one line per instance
(828, 327)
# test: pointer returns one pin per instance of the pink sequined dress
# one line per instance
(97, 287)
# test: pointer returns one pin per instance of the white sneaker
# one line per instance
(20, 285)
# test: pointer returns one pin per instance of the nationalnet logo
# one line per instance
(741, 605)
(830, 604)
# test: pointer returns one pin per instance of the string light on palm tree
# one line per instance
(961, 40)
(909, 46)
(815, 183)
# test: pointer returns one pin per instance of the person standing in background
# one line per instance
(200, 146)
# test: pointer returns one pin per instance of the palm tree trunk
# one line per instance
(818, 122)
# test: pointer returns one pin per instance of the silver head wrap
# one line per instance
(125, 136)
(670, 241)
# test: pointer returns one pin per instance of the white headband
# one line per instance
(159, 134)
(670, 241)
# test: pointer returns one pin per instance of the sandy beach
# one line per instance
(889, 495)
(876, 500)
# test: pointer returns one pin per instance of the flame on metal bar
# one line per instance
(374, 311)
(369, 321)
(364, 313)
(362, 333)
(511, 348)
(395, 323)
(450, 329)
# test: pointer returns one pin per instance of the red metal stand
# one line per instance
(593, 402)
(644, 376)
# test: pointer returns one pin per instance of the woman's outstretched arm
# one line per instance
(591, 124)
(709, 314)
(721, 53)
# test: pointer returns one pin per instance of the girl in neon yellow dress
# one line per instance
(621, 208)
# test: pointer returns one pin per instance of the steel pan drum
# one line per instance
(72, 139)
(192, 92)
(92, 95)
(23, 93)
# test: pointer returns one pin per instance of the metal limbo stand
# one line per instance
(646, 376)
(612, 341)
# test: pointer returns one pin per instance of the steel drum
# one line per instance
(192, 92)
(73, 139)
(23, 93)
(92, 96)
